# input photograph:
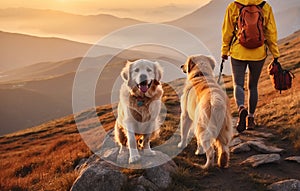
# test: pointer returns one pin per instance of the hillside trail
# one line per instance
(241, 175)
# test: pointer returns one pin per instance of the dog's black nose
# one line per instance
(182, 68)
(143, 78)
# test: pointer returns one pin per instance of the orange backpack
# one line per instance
(250, 21)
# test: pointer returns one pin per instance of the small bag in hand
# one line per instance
(281, 79)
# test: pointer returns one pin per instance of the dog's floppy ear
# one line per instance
(158, 71)
(126, 73)
(204, 60)
(190, 64)
(211, 62)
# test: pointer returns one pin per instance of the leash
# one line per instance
(221, 69)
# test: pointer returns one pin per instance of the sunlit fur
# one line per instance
(138, 112)
(205, 109)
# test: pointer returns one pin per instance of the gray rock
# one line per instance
(257, 160)
(294, 159)
(260, 134)
(285, 185)
(260, 139)
(99, 176)
(86, 162)
(102, 171)
(262, 148)
(147, 161)
(81, 164)
(139, 188)
(142, 181)
(161, 176)
(243, 147)
(122, 158)
(110, 154)
(235, 141)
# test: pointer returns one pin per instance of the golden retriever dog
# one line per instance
(139, 107)
(205, 109)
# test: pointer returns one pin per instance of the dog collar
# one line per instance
(140, 103)
(140, 100)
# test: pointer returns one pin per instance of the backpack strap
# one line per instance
(234, 38)
(293, 75)
(239, 5)
(261, 5)
(279, 66)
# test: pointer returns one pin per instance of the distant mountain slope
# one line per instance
(42, 70)
(18, 50)
(210, 18)
(62, 24)
(50, 86)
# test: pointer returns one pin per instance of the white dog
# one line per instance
(205, 108)
(139, 107)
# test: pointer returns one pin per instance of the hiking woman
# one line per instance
(245, 54)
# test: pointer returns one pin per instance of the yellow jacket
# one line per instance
(236, 50)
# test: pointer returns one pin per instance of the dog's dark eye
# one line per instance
(149, 70)
(137, 70)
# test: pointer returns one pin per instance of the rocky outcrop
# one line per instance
(285, 185)
(106, 170)
(242, 147)
(161, 175)
(262, 148)
(255, 141)
(98, 174)
(293, 159)
(235, 141)
(257, 160)
(258, 146)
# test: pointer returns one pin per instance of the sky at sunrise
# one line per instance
(146, 10)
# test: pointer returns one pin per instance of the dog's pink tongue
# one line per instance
(144, 88)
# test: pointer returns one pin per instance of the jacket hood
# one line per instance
(249, 2)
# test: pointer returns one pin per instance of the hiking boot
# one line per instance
(250, 123)
(241, 123)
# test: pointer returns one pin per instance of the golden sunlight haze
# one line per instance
(151, 11)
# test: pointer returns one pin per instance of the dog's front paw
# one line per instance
(199, 151)
(181, 144)
(149, 152)
(133, 159)
(122, 150)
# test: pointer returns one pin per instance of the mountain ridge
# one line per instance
(61, 24)
(39, 11)
(33, 49)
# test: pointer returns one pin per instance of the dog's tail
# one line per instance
(214, 122)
